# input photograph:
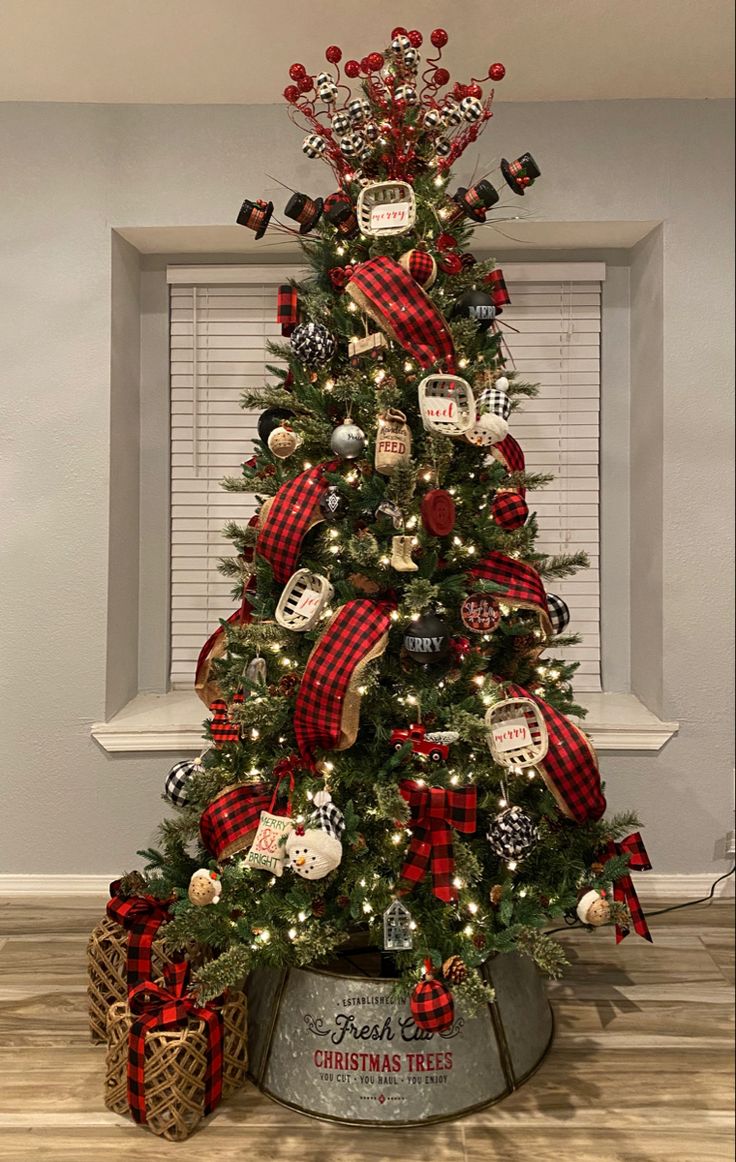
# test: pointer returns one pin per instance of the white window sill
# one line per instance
(173, 722)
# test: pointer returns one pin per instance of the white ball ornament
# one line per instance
(502, 383)
(432, 119)
(312, 852)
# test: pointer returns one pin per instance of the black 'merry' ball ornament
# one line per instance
(427, 638)
(475, 305)
(512, 834)
(313, 344)
(271, 419)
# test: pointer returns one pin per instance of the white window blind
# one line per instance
(221, 318)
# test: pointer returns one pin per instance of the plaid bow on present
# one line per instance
(287, 519)
(623, 889)
(152, 1008)
(392, 298)
(434, 812)
(141, 916)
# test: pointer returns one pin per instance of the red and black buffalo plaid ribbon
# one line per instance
(509, 453)
(287, 313)
(222, 730)
(351, 635)
(623, 889)
(570, 767)
(421, 267)
(289, 515)
(434, 812)
(229, 819)
(498, 289)
(522, 584)
(141, 916)
(391, 297)
(152, 1008)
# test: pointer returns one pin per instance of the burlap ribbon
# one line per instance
(434, 813)
(141, 916)
(623, 889)
(384, 290)
(172, 1007)
(523, 587)
(327, 711)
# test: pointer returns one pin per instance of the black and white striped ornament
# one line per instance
(559, 614)
(314, 145)
(410, 60)
(313, 344)
(450, 113)
(471, 109)
(400, 44)
(326, 88)
(432, 119)
(176, 787)
(352, 145)
(442, 147)
(407, 94)
(512, 834)
(359, 110)
(341, 123)
(370, 131)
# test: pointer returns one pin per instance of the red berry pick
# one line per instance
(439, 38)
(291, 94)
(399, 31)
(352, 69)
(497, 72)
(296, 72)
(441, 77)
(415, 38)
(375, 61)
(333, 54)
(305, 84)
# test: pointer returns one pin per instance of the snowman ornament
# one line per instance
(314, 851)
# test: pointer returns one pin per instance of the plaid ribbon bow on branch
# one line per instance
(623, 889)
(141, 916)
(172, 1007)
(392, 298)
(434, 812)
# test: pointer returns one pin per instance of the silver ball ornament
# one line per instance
(348, 440)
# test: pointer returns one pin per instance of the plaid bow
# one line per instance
(623, 889)
(522, 584)
(352, 636)
(141, 916)
(154, 1007)
(434, 811)
(289, 515)
(570, 766)
(392, 298)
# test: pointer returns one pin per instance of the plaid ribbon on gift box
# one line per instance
(434, 812)
(289, 515)
(522, 584)
(353, 634)
(141, 916)
(392, 298)
(570, 767)
(232, 815)
(155, 1008)
(623, 889)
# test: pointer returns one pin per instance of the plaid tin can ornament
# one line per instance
(520, 174)
(496, 284)
(287, 309)
(255, 216)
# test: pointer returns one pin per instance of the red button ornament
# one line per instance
(438, 512)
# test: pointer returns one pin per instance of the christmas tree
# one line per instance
(392, 760)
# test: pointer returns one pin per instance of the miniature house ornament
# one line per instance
(397, 923)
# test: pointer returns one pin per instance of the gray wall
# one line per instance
(71, 174)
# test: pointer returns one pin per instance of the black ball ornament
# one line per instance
(269, 420)
(475, 305)
(512, 834)
(333, 505)
(313, 344)
(427, 639)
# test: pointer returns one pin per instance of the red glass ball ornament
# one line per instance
(459, 91)
(375, 61)
(352, 69)
(497, 72)
(415, 38)
(296, 72)
(473, 90)
(446, 242)
(333, 54)
(305, 84)
(439, 38)
(450, 264)
(441, 76)
(399, 32)
(291, 94)
(364, 64)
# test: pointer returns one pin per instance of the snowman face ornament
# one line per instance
(312, 853)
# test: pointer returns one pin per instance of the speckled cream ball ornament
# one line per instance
(593, 907)
(204, 888)
(348, 440)
(283, 442)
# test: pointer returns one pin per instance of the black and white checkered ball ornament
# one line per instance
(491, 399)
(313, 344)
(176, 787)
(400, 44)
(341, 123)
(442, 147)
(410, 60)
(314, 145)
(326, 88)
(370, 131)
(559, 614)
(512, 834)
(352, 145)
(471, 109)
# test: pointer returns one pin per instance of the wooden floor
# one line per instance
(641, 1067)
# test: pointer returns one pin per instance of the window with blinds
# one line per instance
(219, 331)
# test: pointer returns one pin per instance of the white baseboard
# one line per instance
(649, 885)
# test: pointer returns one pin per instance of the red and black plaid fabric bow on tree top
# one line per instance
(623, 888)
(392, 298)
(153, 1008)
(286, 518)
(327, 709)
(141, 916)
(434, 813)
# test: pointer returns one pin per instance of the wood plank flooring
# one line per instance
(640, 1070)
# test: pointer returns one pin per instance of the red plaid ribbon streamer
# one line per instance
(141, 916)
(172, 1007)
(509, 453)
(421, 266)
(214, 647)
(623, 889)
(498, 289)
(393, 299)
(232, 816)
(434, 812)
(287, 313)
(354, 631)
(522, 584)
(570, 766)
(289, 516)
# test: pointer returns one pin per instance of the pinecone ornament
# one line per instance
(318, 908)
(496, 894)
(454, 970)
(479, 941)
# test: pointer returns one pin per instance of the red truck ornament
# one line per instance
(435, 746)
